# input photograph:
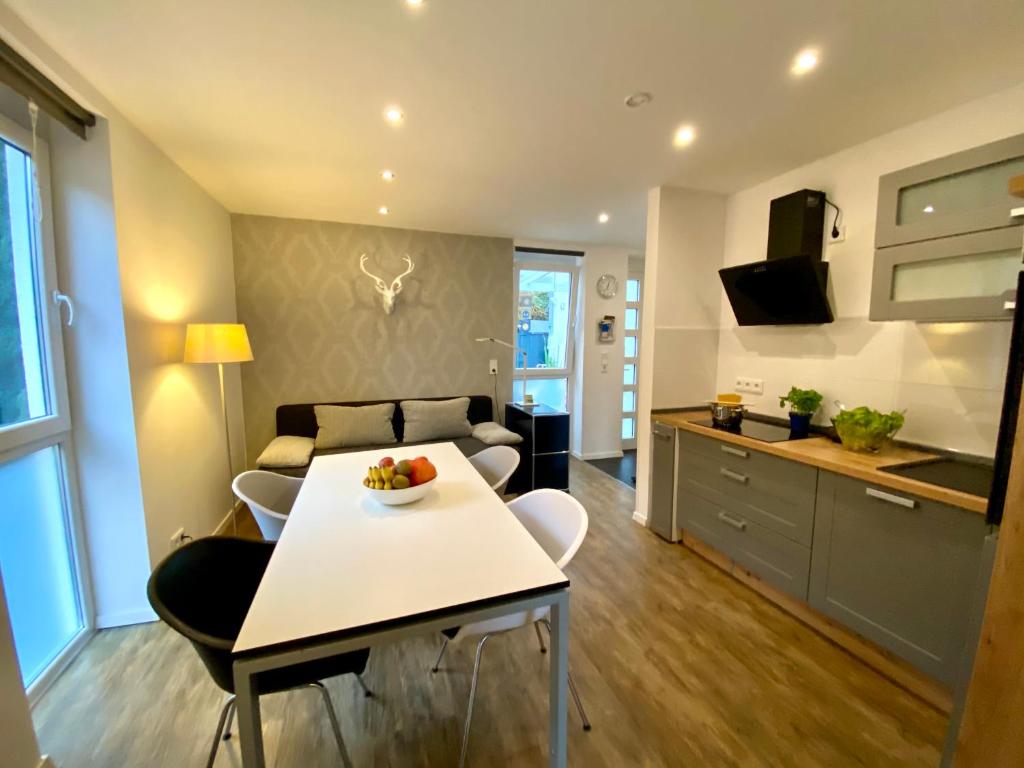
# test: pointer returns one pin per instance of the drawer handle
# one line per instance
(734, 451)
(739, 525)
(892, 498)
(733, 475)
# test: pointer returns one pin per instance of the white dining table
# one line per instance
(350, 573)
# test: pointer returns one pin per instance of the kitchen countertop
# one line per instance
(821, 452)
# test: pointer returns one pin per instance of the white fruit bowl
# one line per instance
(394, 498)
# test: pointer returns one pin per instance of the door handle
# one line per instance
(734, 451)
(739, 525)
(892, 498)
(733, 475)
(62, 298)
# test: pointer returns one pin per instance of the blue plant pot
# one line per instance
(799, 423)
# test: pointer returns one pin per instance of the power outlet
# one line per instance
(179, 538)
(752, 386)
(838, 238)
(493, 367)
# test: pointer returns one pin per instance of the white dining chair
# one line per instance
(269, 496)
(496, 464)
(559, 524)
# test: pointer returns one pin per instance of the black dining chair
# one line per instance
(203, 591)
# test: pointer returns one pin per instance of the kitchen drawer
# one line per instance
(782, 563)
(775, 493)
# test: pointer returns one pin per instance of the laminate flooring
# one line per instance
(678, 664)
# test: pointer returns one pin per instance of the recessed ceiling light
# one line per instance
(603, 217)
(383, 210)
(929, 209)
(415, 3)
(387, 175)
(393, 115)
(804, 62)
(684, 136)
(638, 99)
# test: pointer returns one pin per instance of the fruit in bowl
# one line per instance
(408, 480)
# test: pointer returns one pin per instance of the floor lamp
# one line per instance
(219, 343)
(513, 348)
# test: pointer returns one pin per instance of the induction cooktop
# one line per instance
(758, 430)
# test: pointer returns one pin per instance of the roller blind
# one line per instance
(18, 74)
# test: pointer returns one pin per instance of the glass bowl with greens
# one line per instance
(865, 429)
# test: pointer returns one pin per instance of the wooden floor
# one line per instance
(677, 663)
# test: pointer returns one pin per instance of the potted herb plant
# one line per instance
(803, 403)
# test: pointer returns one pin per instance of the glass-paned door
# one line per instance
(545, 313)
(631, 351)
(42, 573)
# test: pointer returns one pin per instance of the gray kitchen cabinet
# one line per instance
(947, 245)
(662, 512)
(898, 569)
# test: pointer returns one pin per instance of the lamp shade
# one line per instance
(217, 343)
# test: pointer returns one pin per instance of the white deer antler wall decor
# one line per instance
(387, 293)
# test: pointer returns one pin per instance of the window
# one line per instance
(39, 562)
(631, 352)
(545, 310)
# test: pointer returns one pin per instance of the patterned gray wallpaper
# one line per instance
(319, 332)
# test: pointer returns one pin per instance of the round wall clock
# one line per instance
(607, 286)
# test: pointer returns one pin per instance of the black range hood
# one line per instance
(790, 287)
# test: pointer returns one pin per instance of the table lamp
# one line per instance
(219, 343)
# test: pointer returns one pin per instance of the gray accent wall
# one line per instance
(319, 332)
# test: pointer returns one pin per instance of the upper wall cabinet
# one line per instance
(947, 245)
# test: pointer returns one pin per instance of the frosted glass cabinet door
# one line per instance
(969, 277)
(954, 195)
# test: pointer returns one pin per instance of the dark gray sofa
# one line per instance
(300, 419)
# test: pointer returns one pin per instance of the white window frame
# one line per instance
(630, 443)
(54, 429)
(567, 372)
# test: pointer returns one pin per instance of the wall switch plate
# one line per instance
(179, 538)
(838, 238)
(747, 384)
(493, 369)
(604, 362)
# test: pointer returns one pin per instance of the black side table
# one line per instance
(544, 450)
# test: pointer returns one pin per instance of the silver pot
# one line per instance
(727, 415)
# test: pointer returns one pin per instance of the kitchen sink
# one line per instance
(961, 475)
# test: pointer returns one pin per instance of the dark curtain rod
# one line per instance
(22, 77)
(549, 251)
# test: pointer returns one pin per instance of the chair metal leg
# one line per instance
(366, 691)
(346, 761)
(540, 637)
(437, 664)
(573, 691)
(228, 705)
(472, 700)
(231, 716)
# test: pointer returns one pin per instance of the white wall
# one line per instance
(598, 388)
(681, 308)
(163, 260)
(948, 377)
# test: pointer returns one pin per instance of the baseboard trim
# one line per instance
(225, 524)
(46, 762)
(125, 618)
(638, 518)
(598, 455)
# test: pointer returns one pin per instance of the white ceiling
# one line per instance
(514, 117)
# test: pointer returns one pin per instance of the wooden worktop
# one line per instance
(821, 452)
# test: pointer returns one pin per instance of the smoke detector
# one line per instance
(638, 99)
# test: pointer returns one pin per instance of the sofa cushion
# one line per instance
(492, 433)
(286, 451)
(344, 427)
(435, 419)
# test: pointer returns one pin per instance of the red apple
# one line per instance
(387, 461)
